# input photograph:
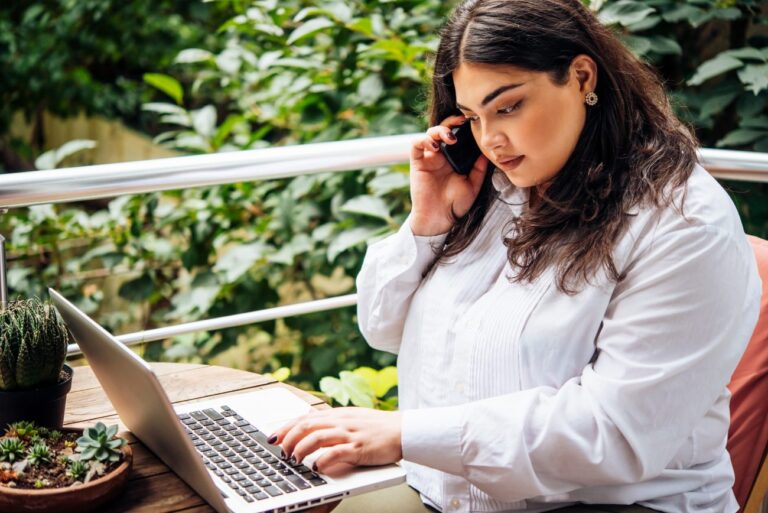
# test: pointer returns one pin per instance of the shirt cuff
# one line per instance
(432, 437)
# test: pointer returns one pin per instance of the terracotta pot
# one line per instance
(44, 406)
(74, 499)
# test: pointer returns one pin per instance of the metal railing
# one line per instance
(110, 180)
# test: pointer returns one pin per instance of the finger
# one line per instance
(277, 436)
(318, 439)
(348, 453)
(301, 430)
(452, 121)
(441, 133)
(422, 145)
(477, 174)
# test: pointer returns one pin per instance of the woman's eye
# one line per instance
(511, 108)
(471, 119)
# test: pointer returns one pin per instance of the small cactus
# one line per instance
(11, 449)
(77, 470)
(38, 454)
(98, 443)
(33, 345)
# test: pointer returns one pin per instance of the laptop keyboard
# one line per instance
(239, 454)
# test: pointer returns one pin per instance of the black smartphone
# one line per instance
(462, 154)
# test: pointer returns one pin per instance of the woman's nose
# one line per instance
(492, 139)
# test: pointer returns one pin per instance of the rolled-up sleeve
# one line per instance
(673, 332)
(392, 271)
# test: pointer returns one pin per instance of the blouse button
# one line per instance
(455, 503)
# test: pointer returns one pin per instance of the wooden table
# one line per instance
(153, 487)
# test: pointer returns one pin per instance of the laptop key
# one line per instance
(242, 465)
(198, 415)
(286, 472)
(298, 482)
(262, 439)
(260, 496)
(239, 477)
(211, 413)
(242, 423)
(317, 481)
(286, 487)
(231, 471)
(248, 498)
(273, 491)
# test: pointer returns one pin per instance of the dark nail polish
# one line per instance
(282, 454)
(272, 439)
(435, 145)
(314, 466)
(451, 136)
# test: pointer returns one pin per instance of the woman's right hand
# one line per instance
(436, 188)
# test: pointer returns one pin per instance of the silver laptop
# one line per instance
(216, 446)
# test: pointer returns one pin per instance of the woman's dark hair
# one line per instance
(632, 150)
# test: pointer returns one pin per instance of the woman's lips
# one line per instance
(511, 163)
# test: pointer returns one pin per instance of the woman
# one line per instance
(567, 316)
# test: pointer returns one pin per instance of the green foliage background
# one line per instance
(294, 72)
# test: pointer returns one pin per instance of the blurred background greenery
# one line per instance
(201, 77)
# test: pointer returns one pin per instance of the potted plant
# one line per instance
(62, 471)
(34, 381)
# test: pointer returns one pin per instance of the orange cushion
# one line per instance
(748, 434)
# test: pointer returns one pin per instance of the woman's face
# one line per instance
(524, 123)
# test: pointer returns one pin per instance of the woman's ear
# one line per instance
(584, 68)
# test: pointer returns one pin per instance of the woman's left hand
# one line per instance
(352, 436)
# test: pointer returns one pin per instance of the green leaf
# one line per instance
(193, 55)
(166, 84)
(380, 381)
(716, 104)
(665, 46)
(359, 391)
(238, 260)
(204, 121)
(638, 44)
(747, 53)
(756, 122)
(367, 206)
(624, 12)
(714, 67)
(51, 159)
(309, 28)
(138, 290)
(164, 108)
(681, 13)
(741, 137)
(333, 388)
(755, 77)
(370, 89)
(349, 238)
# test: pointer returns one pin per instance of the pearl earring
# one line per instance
(591, 99)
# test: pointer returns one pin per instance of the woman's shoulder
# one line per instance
(701, 206)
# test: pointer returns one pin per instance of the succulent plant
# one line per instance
(55, 435)
(99, 443)
(11, 449)
(39, 453)
(33, 344)
(77, 470)
(22, 429)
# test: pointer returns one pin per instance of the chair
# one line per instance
(748, 434)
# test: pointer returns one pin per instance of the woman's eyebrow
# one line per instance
(493, 94)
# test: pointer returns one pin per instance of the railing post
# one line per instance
(3, 283)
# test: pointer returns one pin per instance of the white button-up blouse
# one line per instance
(519, 397)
